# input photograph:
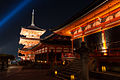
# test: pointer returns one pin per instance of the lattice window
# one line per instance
(75, 32)
(109, 18)
(117, 14)
(96, 23)
(87, 27)
(80, 30)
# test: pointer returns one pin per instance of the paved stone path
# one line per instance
(16, 73)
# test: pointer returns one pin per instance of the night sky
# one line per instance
(48, 14)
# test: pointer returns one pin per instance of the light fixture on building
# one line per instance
(103, 68)
(72, 77)
(63, 62)
(45, 61)
(55, 72)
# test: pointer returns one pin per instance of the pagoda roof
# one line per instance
(29, 38)
(34, 28)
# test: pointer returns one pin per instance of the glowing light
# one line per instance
(38, 61)
(105, 54)
(103, 69)
(55, 72)
(45, 61)
(12, 13)
(23, 58)
(72, 77)
(104, 43)
(63, 62)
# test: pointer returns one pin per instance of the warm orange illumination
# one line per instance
(101, 12)
(55, 72)
(105, 54)
(82, 38)
(72, 77)
(45, 61)
(28, 42)
(38, 61)
(31, 33)
(103, 68)
(104, 43)
(63, 62)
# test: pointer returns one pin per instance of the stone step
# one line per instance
(64, 76)
(59, 78)
(69, 72)
(72, 70)
(74, 66)
(76, 69)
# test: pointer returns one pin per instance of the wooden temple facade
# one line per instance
(99, 27)
(60, 45)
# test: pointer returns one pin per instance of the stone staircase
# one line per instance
(71, 69)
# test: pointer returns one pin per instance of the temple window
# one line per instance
(87, 27)
(117, 14)
(96, 23)
(109, 18)
(75, 32)
(79, 30)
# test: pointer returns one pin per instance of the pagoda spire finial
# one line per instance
(32, 24)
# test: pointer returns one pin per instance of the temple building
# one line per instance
(59, 45)
(30, 36)
(98, 25)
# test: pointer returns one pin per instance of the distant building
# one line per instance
(59, 45)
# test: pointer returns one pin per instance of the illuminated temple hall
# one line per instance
(61, 46)
(99, 26)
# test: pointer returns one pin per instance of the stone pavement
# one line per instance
(26, 74)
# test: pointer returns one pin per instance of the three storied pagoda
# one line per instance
(31, 37)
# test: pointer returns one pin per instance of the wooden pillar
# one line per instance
(47, 53)
(72, 45)
(55, 54)
(104, 47)
(83, 36)
(83, 39)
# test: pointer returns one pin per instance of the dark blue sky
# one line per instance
(48, 14)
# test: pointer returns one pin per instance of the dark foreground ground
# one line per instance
(21, 73)
(39, 73)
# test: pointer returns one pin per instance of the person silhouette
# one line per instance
(84, 57)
